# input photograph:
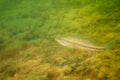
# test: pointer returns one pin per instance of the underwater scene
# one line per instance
(59, 39)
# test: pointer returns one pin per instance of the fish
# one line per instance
(78, 44)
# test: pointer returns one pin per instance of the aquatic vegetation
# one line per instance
(28, 29)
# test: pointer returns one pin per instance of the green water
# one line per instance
(26, 23)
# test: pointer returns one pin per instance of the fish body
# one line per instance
(78, 44)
